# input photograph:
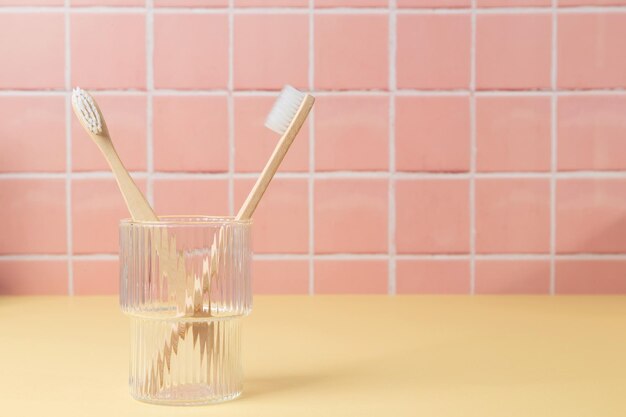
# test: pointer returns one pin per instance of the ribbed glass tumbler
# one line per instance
(185, 283)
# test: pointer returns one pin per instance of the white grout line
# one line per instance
(311, 173)
(37, 257)
(591, 92)
(478, 257)
(443, 176)
(354, 256)
(431, 11)
(473, 151)
(512, 257)
(321, 93)
(305, 10)
(553, 147)
(194, 176)
(40, 175)
(282, 257)
(591, 257)
(187, 93)
(591, 174)
(432, 256)
(96, 257)
(231, 109)
(351, 256)
(331, 92)
(68, 151)
(391, 202)
(149, 102)
(431, 93)
(105, 175)
(238, 11)
(352, 10)
(518, 10)
(352, 174)
(36, 93)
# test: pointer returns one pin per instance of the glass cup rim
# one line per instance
(188, 220)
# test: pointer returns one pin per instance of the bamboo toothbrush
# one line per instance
(286, 118)
(90, 117)
(92, 120)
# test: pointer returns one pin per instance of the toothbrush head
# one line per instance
(87, 110)
(284, 110)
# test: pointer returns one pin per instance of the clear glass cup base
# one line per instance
(193, 394)
(185, 361)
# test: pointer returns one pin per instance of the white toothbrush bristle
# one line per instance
(284, 110)
(87, 110)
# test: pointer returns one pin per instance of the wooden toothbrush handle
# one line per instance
(135, 200)
(272, 165)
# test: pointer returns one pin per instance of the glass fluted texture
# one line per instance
(185, 283)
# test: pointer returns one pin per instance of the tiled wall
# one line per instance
(456, 146)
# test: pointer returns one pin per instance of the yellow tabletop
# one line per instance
(339, 356)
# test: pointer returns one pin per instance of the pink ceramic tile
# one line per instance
(33, 277)
(280, 277)
(351, 3)
(203, 196)
(432, 276)
(351, 216)
(358, 140)
(27, 62)
(114, 56)
(281, 221)
(513, 51)
(590, 216)
(108, 2)
(512, 277)
(351, 277)
(591, 132)
(590, 50)
(190, 51)
(97, 208)
(590, 277)
(432, 134)
(271, 3)
(271, 50)
(34, 211)
(512, 215)
(432, 216)
(191, 3)
(126, 121)
(433, 51)
(32, 134)
(514, 3)
(351, 51)
(96, 277)
(565, 3)
(190, 133)
(254, 142)
(513, 133)
(432, 3)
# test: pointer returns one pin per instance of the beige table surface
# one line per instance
(339, 356)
